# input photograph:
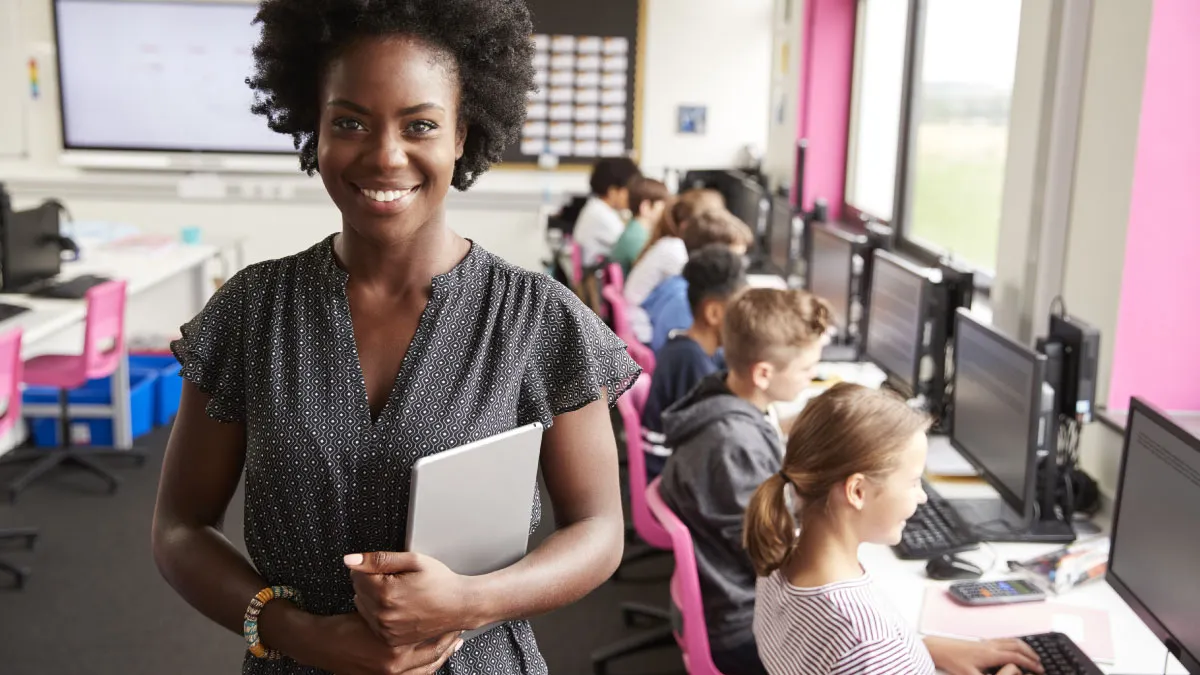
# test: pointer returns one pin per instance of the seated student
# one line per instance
(667, 305)
(665, 254)
(713, 276)
(725, 447)
(853, 466)
(647, 200)
(600, 222)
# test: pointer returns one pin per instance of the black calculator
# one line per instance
(995, 592)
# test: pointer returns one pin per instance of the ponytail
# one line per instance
(769, 531)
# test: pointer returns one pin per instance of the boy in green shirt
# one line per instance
(647, 200)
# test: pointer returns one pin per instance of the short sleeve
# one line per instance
(892, 655)
(210, 351)
(573, 357)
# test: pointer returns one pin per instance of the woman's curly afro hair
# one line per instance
(490, 42)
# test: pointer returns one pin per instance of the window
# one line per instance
(960, 113)
(875, 106)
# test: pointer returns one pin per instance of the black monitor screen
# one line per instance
(832, 260)
(997, 387)
(31, 252)
(779, 236)
(896, 327)
(745, 201)
(1154, 553)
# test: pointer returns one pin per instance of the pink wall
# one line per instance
(826, 70)
(1157, 348)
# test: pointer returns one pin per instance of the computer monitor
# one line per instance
(1152, 558)
(898, 306)
(780, 235)
(746, 199)
(831, 271)
(30, 248)
(1003, 424)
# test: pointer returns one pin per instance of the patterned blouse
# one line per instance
(497, 347)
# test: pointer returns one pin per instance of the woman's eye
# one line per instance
(347, 124)
(422, 126)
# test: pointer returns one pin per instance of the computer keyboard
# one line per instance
(71, 289)
(934, 530)
(9, 311)
(1059, 655)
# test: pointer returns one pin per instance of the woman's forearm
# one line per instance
(567, 566)
(215, 578)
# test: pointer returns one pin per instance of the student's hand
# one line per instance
(348, 646)
(407, 598)
(961, 657)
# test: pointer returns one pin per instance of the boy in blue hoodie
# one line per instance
(725, 446)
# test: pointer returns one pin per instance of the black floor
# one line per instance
(96, 604)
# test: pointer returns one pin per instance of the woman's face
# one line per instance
(389, 134)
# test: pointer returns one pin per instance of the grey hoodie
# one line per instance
(723, 449)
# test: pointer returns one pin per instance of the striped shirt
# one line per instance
(839, 629)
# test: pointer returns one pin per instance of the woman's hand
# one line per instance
(348, 646)
(407, 598)
(961, 657)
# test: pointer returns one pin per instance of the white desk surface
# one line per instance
(904, 582)
(140, 269)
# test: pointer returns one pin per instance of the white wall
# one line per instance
(715, 53)
(779, 161)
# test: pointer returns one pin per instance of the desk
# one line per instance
(143, 270)
(904, 583)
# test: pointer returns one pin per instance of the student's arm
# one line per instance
(203, 463)
(744, 465)
(579, 464)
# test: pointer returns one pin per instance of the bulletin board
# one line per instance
(588, 74)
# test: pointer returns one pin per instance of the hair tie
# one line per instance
(784, 476)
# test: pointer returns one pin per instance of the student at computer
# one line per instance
(665, 254)
(647, 201)
(853, 471)
(600, 222)
(725, 446)
(713, 275)
(667, 305)
(327, 373)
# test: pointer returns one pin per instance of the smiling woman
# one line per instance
(327, 374)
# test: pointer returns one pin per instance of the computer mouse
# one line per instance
(951, 567)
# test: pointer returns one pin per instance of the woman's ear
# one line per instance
(460, 140)
(855, 490)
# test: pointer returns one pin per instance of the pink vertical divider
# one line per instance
(1156, 353)
(826, 72)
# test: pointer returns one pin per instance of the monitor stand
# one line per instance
(994, 520)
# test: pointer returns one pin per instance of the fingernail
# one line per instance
(458, 646)
(353, 559)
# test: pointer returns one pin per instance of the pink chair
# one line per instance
(614, 276)
(576, 263)
(10, 414)
(103, 349)
(687, 602)
(656, 540)
(641, 354)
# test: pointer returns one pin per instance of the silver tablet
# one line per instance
(471, 507)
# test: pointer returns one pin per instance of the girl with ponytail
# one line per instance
(851, 475)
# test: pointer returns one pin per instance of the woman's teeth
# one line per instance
(385, 195)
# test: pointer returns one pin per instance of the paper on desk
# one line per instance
(1089, 628)
(944, 460)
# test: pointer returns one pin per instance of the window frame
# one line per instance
(924, 253)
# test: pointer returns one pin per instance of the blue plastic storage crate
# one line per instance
(100, 431)
(167, 389)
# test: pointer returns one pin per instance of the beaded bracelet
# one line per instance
(250, 627)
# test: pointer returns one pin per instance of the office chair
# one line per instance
(104, 346)
(10, 414)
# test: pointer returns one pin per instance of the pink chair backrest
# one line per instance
(11, 366)
(615, 276)
(104, 329)
(576, 264)
(685, 589)
(630, 406)
(642, 355)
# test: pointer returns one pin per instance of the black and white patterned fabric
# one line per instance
(497, 347)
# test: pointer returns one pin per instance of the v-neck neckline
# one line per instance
(440, 287)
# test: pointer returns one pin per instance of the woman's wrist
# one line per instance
(287, 628)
